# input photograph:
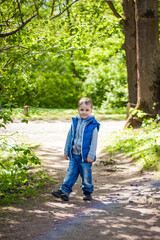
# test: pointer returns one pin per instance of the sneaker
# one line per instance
(87, 196)
(60, 194)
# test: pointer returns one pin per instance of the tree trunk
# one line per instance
(130, 48)
(147, 55)
(148, 71)
(130, 45)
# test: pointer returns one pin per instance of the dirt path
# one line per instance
(125, 205)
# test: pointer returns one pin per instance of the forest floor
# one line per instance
(125, 205)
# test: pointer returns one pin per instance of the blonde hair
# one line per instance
(86, 101)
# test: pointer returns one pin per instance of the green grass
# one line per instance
(142, 145)
(65, 114)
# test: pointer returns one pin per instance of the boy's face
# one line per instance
(84, 110)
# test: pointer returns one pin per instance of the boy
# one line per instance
(80, 149)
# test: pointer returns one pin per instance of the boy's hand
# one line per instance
(66, 157)
(90, 160)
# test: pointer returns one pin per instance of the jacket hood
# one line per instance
(90, 118)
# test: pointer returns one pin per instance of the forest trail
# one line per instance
(125, 202)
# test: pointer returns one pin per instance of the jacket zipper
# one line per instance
(82, 140)
(72, 139)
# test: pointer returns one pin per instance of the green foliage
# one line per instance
(5, 117)
(21, 185)
(138, 113)
(56, 85)
(105, 84)
(52, 63)
(15, 175)
(53, 86)
(142, 145)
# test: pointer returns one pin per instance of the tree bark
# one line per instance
(148, 70)
(130, 48)
(147, 55)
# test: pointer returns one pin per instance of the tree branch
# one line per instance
(2, 35)
(5, 49)
(19, 7)
(53, 5)
(12, 61)
(116, 14)
(58, 15)
(36, 7)
(8, 20)
(8, 63)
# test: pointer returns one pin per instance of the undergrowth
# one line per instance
(19, 174)
(143, 144)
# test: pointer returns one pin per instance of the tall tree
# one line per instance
(148, 65)
(147, 55)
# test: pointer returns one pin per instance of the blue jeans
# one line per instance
(76, 167)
